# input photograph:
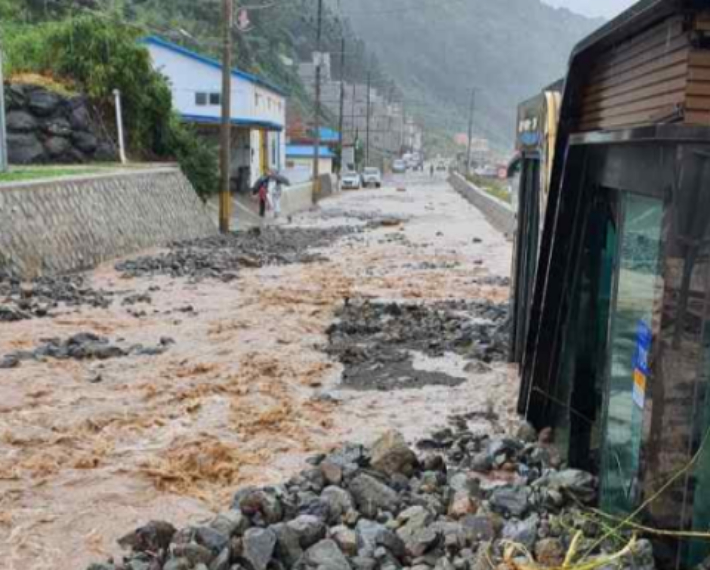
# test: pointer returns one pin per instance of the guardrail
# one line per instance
(500, 214)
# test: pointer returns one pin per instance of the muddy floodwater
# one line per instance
(242, 388)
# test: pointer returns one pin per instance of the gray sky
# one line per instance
(594, 8)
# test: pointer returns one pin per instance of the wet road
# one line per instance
(244, 394)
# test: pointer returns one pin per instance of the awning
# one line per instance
(247, 123)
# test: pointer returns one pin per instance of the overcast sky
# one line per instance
(594, 8)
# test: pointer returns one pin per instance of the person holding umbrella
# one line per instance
(276, 184)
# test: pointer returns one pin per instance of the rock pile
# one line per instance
(221, 257)
(46, 127)
(374, 340)
(385, 508)
(81, 346)
(20, 301)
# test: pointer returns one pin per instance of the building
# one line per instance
(258, 108)
(299, 162)
(617, 352)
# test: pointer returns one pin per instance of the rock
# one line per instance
(572, 483)
(211, 538)
(230, 523)
(345, 538)
(9, 361)
(422, 541)
(412, 520)
(20, 122)
(325, 555)
(444, 564)
(479, 528)
(526, 433)
(481, 462)
(308, 528)
(511, 501)
(338, 502)
(259, 545)
(264, 502)
(178, 564)
(392, 455)
(288, 547)
(43, 103)
(194, 553)
(80, 118)
(364, 563)
(550, 552)
(153, 537)
(85, 142)
(522, 532)
(461, 505)
(57, 147)
(223, 561)
(372, 495)
(57, 128)
(332, 472)
(24, 148)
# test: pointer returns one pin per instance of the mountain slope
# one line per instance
(438, 51)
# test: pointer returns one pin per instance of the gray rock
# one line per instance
(57, 147)
(153, 537)
(43, 103)
(20, 122)
(392, 455)
(372, 495)
(57, 128)
(264, 502)
(178, 564)
(24, 148)
(412, 520)
(138, 565)
(230, 523)
(326, 555)
(194, 553)
(481, 462)
(96, 566)
(522, 532)
(338, 501)
(345, 538)
(422, 542)
(80, 118)
(364, 563)
(259, 546)
(444, 564)
(571, 482)
(85, 142)
(223, 561)
(477, 528)
(288, 545)
(526, 433)
(308, 528)
(367, 531)
(9, 361)
(211, 538)
(513, 501)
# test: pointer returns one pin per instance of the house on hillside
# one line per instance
(258, 108)
(299, 162)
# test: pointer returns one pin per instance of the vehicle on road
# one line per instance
(399, 166)
(372, 176)
(441, 166)
(351, 181)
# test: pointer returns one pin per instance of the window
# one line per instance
(215, 98)
(257, 100)
(201, 99)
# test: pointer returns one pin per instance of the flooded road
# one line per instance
(245, 391)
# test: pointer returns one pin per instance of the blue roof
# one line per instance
(155, 40)
(307, 151)
(329, 135)
(204, 120)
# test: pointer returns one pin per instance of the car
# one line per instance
(399, 166)
(350, 180)
(372, 177)
(440, 166)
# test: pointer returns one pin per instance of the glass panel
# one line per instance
(637, 292)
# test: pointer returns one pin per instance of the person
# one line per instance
(431, 170)
(275, 193)
(262, 193)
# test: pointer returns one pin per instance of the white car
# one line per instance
(399, 166)
(350, 181)
(372, 177)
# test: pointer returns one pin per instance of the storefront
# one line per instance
(617, 356)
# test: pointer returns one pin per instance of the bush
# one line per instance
(99, 55)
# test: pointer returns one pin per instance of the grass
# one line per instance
(24, 174)
(495, 188)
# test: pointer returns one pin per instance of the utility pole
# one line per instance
(316, 150)
(3, 133)
(342, 101)
(225, 198)
(470, 131)
(367, 123)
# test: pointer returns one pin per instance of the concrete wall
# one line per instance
(69, 224)
(500, 214)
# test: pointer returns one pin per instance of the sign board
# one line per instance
(644, 338)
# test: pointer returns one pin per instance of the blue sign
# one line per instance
(644, 338)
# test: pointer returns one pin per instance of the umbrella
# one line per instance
(280, 179)
(259, 183)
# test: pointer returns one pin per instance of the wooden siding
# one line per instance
(697, 104)
(640, 81)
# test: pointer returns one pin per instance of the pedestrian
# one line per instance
(275, 193)
(431, 170)
(261, 190)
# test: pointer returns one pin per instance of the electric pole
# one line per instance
(367, 123)
(470, 131)
(316, 149)
(3, 134)
(342, 101)
(225, 198)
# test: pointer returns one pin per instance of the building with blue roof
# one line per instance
(299, 161)
(258, 107)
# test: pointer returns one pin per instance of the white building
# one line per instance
(258, 107)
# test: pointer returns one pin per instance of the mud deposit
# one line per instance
(375, 341)
(247, 391)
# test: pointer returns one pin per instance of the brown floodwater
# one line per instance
(238, 399)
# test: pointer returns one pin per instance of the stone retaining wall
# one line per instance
(70, 224)
(500, 214)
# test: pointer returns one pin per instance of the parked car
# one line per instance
(372, 177)
(441, 166)
(399, 166)
(350, 181)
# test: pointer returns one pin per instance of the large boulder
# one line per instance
(24, 149)
(85, 142)
(325, 555)
(259, 545)
(391, 455)
(44, 103)
(59, 149)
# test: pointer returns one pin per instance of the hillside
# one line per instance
(437, 51)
